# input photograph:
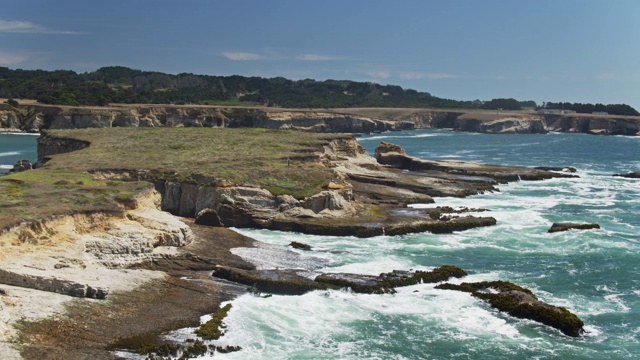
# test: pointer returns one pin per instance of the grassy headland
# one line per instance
(283, 162)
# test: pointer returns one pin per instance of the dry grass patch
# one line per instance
(40, 194)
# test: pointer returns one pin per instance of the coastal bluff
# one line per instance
(344, 120)
(311, 183)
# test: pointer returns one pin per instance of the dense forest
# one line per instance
(118, 84)
(614, 109)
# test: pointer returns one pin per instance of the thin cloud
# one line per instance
(12, 59)
(607, 76)
(441, 76)
(242, 56)
(317, 57)
(421, 75)
(379, 74)
(26, 27)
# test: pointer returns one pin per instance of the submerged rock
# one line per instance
(557, 168)
(521, 303)
(299, 245)
(630, 175)
(556, 227)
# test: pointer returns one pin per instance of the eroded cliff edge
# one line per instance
(347, 120)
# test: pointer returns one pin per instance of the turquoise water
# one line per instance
(14, 147)
(595, 273)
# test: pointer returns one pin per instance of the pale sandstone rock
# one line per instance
(86, 250)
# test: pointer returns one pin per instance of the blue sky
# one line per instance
(557, 50)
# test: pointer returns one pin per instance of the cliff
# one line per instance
(524, 123)
(39, 117)
(53, 117)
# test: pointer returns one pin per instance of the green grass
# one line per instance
(237, 156)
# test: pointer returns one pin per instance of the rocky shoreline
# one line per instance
(159, 264)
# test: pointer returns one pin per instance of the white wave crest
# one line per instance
(10, 153)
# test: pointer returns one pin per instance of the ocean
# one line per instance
(594, 273)
(14, 147)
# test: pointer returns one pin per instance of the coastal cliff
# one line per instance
(97, 221)
(39, 117)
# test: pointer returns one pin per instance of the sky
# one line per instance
(543, 50)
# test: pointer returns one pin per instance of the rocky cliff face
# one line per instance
(251, 206)
(429, 120)
(507, 125)
(80, 255)
(49, 145)
(593, 124)
(53, 117)
(545, 123)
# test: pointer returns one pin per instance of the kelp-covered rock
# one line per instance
(386, 282)
(521, 303)
(556, 227)
(214, 328)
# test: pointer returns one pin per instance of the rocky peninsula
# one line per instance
(108, 233)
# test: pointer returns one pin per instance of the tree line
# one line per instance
(614, 109)
(119, 84)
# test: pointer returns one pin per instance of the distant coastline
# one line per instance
(337, 120)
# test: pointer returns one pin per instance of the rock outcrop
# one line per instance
(282, 282)
(300, 246)
(21, 165)
(521, 303)
(82, 245)
(290, 282)
(386, 282)
(630, 175)
(556, 227)
(504, 296)
(52, 284)
(462, 171)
